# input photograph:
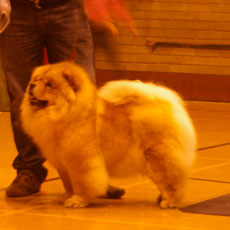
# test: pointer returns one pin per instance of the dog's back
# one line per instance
(123, 91)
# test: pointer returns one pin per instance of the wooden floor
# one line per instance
(138, 209)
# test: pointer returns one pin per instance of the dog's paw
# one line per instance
(165, 203)
(63, 197)
(76, 202)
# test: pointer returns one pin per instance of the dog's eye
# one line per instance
(48, 84)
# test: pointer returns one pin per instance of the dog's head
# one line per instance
(55, 87)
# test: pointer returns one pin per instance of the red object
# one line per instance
(45, 57)
(106, 10)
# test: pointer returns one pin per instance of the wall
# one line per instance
(198, 74)
(181, 21)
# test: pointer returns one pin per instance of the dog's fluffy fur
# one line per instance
(124, 128)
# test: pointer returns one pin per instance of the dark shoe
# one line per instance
(26, 183)
(114, 193)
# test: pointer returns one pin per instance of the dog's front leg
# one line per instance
(89, 181)
(67, 185)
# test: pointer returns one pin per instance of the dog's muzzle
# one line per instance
(33, 100)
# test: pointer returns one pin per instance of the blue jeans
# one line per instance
(61, 30)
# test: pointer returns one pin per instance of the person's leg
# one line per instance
(66, 30)
(85, 48)
(68, 35)
(21, 51)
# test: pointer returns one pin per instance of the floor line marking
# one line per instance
(212, 146)
(210, 180)
(136, 184)
(211, 166)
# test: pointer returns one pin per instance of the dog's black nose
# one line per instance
(31, 87)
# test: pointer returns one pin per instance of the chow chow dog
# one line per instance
(124, 128)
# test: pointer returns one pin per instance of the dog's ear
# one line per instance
(68, 75)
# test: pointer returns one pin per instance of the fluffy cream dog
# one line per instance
(124, 128)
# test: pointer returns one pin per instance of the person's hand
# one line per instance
(5, 10)
(36, 3)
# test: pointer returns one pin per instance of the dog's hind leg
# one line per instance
(168, 172)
